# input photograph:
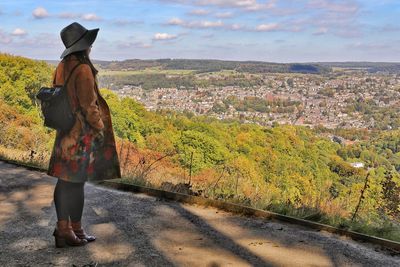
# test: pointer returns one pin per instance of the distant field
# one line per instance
(226, 73)
(146, 71)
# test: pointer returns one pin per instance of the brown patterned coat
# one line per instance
(81, 154)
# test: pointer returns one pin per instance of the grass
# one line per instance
(24, 157)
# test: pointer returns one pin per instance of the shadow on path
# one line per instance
(138, 230)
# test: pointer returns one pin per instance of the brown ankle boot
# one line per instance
(64, 235)
(77, 228)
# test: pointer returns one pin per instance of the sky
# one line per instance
(260, 30)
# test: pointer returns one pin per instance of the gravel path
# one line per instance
(138, 230)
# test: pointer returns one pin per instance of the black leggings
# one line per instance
(69, 200)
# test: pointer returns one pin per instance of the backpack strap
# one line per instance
(54, 79)
(70, 74)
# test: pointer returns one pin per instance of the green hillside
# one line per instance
(288, 169)
(211, 65)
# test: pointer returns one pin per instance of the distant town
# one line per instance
(343, 100)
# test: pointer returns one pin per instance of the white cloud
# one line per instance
(143, 45)
(87, 16)
(40, 13)
(341, 17)
(335, 6)
(249, 5)
(267, 27)
(134, 45)
(236, 27)
(196, 24)
(321, 31)
(208, 24)
(199, 12)
(90, 17)
(164, 36)
(176, 21)
(205, 24)
(344, 23)
(19, 32)
(223, 15)
(292, 26)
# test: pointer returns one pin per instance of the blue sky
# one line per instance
(266, 30)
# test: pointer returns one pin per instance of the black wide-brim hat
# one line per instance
(77, 38)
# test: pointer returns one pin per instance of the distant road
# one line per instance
(138, 230)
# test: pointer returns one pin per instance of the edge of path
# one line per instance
(393, 246)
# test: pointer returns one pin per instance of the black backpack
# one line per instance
(55, 106)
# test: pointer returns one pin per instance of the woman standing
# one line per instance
(87, 152)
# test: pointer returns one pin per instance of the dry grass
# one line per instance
(28, 157)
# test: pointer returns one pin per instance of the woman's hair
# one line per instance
(84, 58)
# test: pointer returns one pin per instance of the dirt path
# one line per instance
(138, 230)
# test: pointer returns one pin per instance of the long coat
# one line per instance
(81, 154)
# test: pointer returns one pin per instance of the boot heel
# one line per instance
(60, 242)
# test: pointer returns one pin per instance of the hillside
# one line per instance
(289, 169)
(371, 67)
(209, 65)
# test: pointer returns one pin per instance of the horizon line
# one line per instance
(216, 59)
(232, 60)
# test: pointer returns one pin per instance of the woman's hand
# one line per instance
(67, 142)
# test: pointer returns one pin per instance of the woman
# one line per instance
(87, 152)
